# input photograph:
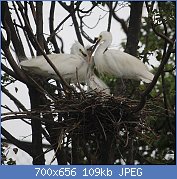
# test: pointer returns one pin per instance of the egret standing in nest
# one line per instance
(94, 82)
(118, 63)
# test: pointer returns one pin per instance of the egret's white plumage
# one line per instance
(118, 63)
(65, 63)
(98, 85)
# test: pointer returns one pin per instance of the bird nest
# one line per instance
(96, 113)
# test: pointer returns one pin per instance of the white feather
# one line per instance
(118, 63)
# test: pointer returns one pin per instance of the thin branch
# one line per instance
(94, 4)
(13, 98)
(154, 81)
(51, 27)
(19, 144)
(76, 25)
(154, 28)
(11, 60)
(62, 22)
(10, 72)
(121, 21)
(16, 42)
(84, 34)
(33, 10)
(41, 50)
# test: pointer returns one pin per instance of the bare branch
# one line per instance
(10, 72)
(62, 22)
(19, 144)
(33, 10)
(16, 43)
(110, 15)
(39, 25)
(51, 27)
(41, 50)
(11, 60)
(121, 21)
(13, 98)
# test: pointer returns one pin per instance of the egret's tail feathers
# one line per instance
(25, 63)
(148, 77)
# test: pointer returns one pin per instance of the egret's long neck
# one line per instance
(102, 47)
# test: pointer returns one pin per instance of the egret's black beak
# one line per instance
(95, 39)
(84, 54)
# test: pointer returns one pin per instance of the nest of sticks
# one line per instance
(95, 113)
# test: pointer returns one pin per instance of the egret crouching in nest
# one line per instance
(118, 63)
(66, 64)
(74, 67)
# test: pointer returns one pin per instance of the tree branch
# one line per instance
(39, 25)
(19, 144)
(62, 22)
(153, 26)
(41, 50)
(11, 60)
(10, 72)
(16, 42)
(121, 21)
(110, 15)
(14, 99)
(154, 81)
(51, 27)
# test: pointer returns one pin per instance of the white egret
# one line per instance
(94, 82)
(98, 85)
(118, 63)
(67, 64)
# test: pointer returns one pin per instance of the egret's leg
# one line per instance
(123, 84)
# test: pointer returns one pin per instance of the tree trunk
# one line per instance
(37, 151)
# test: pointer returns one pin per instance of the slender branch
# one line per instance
(94, 4)
(76, 25)
(62, 22)
(13, 98)
(16, 42)
(11, 60)
(33, 10)
(10, 72)
(154, 29)
(154, 81)
(41, 50)
(84, 34)
(19, 144)
(27, 39)
(110, 15)
(73, 16)
(121, 21)
(51, 27)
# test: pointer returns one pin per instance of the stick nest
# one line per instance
(95, 113)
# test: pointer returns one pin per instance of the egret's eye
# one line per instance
(100, 36)
(80, 50)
